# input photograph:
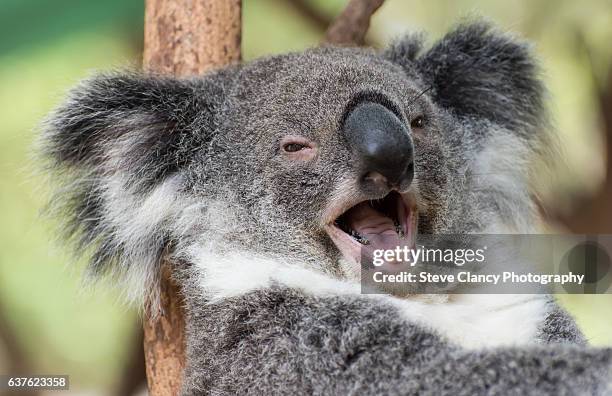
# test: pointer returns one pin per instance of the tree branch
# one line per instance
(164, 338)
(182, 38)
(351, 26)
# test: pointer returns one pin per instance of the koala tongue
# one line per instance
(375, 226)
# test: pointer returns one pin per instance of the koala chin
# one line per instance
(262, 182)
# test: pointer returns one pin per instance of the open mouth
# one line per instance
(370, 225)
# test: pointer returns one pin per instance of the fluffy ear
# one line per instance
(476, 71)
(118, 145)
(140, 127)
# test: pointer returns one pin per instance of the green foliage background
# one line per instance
(46, 46)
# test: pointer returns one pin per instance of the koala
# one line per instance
(261, 182)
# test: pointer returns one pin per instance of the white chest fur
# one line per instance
(480, 320)
(472, 321)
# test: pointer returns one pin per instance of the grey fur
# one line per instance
(283, 342)
(192, 166)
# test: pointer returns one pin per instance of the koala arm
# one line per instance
(281, 340)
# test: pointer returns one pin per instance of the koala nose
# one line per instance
(383, 145)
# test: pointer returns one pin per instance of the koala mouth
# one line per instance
(384, 223)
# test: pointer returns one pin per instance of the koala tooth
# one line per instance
(399, 230)
(363, 241)
(359, 238)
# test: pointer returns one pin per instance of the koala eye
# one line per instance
(298, 148)
(418, 123)
(293, 147)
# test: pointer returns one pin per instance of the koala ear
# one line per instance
(140, 127)
(118, 146)
(405, 50)
(476, 71)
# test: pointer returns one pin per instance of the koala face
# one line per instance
(308, 156)
(331, 167)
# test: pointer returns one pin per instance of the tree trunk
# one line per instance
(182, 38)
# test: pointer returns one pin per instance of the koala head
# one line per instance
(305, 156)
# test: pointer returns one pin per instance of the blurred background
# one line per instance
(50, 324)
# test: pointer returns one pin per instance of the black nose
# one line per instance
(383, 146)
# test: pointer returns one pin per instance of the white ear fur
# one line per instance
(502, 167)
(138, 224)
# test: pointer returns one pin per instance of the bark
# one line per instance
(182, 38)
(351, 26)
(164, 338)
(187, 37)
